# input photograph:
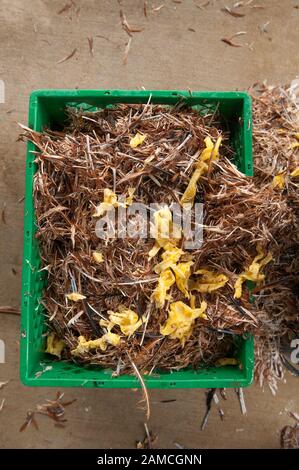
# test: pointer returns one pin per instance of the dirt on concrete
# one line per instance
(179, 47)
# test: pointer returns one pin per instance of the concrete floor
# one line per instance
(165, 55)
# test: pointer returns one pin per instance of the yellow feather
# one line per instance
(138, 139)
(55, 345)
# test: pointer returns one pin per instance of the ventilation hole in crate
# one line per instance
(99, 384)
(107, 92)
(30, 164)
(172, 384)
(174, 94)
(27, 233)
(37, 316)
(40, 329)
(23, 334)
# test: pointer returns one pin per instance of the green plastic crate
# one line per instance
(47, 109)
